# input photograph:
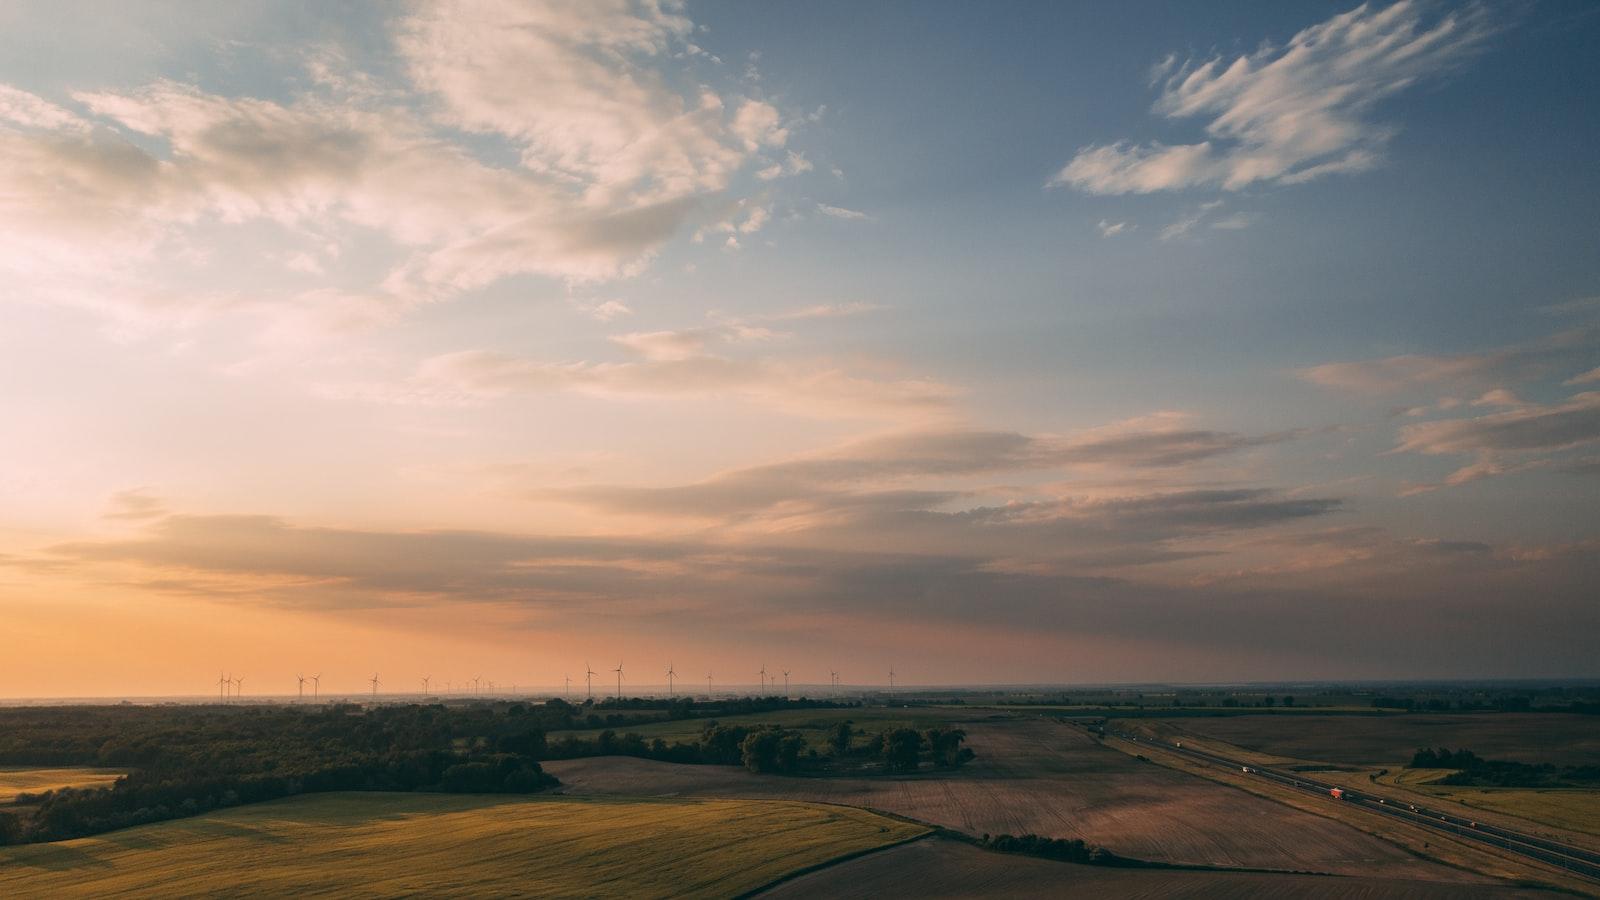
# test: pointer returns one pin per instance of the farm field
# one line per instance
(1573, 809)
(373, 844)
(944, 868)
(1035, 775)
(1557, 738)
(14, 781)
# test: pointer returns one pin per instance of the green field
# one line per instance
(811, 723)
(372, 844)
(1576, 809)
(14, 781)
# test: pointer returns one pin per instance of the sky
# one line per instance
(993, 343)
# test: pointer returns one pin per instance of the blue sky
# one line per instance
(1018, 332)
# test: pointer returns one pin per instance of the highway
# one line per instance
(1576, 860)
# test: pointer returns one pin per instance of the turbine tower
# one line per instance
(670, 675)
(425, 680)
(785, 684)
(833, 680)
(763, 678)
(238, 687)
(222, 687)
(708, 685)
(588, 675)
(316, 687)
(618, 670)
(569, 686)
(300, 696)
(891, 680)
(374, 680)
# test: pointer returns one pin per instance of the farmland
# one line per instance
(17, 780)
(1034, 775)
(1555, 738)
(943, 868)
(377, 844)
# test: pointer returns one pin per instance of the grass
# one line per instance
(14, 781)
(1575, 809)
(373, 844)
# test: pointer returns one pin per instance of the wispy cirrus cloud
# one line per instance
(1285, 114)
(1526, 437)
(1522, 361)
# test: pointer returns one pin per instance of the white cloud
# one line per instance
(1284, 114)
(1112, 229)
(603, 310)
(839, 212)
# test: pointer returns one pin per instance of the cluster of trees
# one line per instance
(1474, 771)
(187, 760)
(774, 749)
(1075, 851)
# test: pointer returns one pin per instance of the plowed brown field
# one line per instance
(1034, 775)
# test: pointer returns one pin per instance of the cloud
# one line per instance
(1522, 439)
(1514, 362)
(687, 343)
(135, 504)
(111, 201)
(1530, 428)
(580, 86)
(839, 212)
(793, 164)
(1590, 377)
(603, 310)
(670, 364)
(871, 474)
(1112, 229)
(1285, 114)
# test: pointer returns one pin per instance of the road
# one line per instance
(1572, 859)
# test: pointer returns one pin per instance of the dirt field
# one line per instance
(1390, 740)
(1038, 776)
(943, 868)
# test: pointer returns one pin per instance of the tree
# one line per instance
(946, 748)
(902, 749)
(839, 737)
(772, 750)
(1288, 700)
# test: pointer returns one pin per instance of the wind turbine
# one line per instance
(300, 697)
(833, 680)
(763, 678)
(618, 670)
(569, 686)
(708, 685)
(316, 687)
(476, 680)
(425, 680)
(222, 686)
(785, 684)
(238, 687)
(374, 680)
(588, 675)
(670, 675)
(891, 680)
